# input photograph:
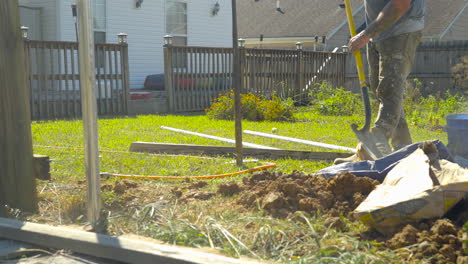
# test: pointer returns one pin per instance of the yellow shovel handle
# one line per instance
(357, 55)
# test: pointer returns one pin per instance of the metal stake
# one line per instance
(236, 83)
(89, 108)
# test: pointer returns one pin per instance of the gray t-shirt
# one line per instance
(411, 21)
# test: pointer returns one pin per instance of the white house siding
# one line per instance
(207, 30)
(49, 16)
(459, 29)
(145, 27)
(31, 18)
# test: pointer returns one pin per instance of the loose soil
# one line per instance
(284, 195)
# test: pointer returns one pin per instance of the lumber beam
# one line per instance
(185, 149)
(108, 247)
(89, 108)
(17, 184)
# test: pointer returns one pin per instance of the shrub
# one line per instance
(431, 110)
(253, 108)
(334, 101)
(460, 73)
(277, 109)
(222, 107)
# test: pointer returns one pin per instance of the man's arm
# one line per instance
(391, 13)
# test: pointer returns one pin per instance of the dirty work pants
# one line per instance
(390, 62)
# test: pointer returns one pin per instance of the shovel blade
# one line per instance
(369, 142)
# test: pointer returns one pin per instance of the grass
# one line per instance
(117, 135)
(215, 223)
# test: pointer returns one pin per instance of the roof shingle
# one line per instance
(307, 18)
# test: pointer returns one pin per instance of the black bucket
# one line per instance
(457, 131)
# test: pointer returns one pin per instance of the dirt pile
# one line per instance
(440, 241)
(282, 194)
(279, 194)
(119, 187)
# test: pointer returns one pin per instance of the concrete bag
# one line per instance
(420, 186)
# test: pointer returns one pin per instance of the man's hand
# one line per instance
(357, 42)
(393, 11)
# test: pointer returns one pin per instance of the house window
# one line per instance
(99, 24)
(176, 25)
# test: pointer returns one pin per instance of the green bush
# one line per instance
(277, 109)
(460, 74)
(253, 108)
(334, 101)
(429, 111)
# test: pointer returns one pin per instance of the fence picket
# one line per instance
(67, 85)
(53, 79)
(286, 72)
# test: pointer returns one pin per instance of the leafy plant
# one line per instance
(276, 109)
(460, 74)
(328, 100)
(430, 111)
(254, 108)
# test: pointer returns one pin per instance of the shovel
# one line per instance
(369, 142)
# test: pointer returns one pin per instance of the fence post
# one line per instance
(299, 71)
(241, 43)
(236, 86)
(17, 183)
(27, 58)
(86, 49)
(168, 68)
(122, 38)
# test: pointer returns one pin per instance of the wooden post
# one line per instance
(168, 84)
(236, 83)
(41, 167)
(242, 55)
(299, 72)
(17, 184)
(89, 108)
(126, 72)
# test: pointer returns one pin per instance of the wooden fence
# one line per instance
(432, 66)
(289, 73)
(54, 79)
(194, 76)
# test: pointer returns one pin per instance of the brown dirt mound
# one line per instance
(282, 194)
(229, 188)
(119, 187)
(198, 185)
(440, 241)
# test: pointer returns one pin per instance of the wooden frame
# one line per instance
(109, 247)
(185, 149)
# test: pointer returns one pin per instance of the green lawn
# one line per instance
(117, 134)
(212, 223)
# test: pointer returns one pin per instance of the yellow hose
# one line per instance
(205, 177)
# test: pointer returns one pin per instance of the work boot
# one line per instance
(401, 135)
(361, 154)
(381, 141)
(352, 158)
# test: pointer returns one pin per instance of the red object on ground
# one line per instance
(140, 95)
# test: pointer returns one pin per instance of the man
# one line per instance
(392, 35)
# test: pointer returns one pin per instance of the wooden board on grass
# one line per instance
(186, 149)
(108, 247)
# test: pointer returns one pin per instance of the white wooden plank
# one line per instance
(109, 247)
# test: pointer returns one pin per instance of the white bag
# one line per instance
(416, 188)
